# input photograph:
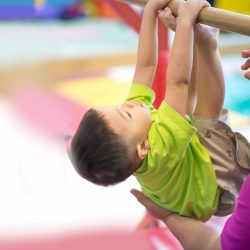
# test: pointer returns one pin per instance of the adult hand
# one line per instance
(191, 233)
(153, 208)
(246, 65)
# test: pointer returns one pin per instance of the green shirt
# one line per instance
(177, 173)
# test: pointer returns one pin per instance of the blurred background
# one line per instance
(57, 59)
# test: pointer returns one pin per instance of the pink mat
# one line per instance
(50, 113)
(141, 240)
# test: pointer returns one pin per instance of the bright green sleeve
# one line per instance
(141, 93)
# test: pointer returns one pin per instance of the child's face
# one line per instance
(130, 119)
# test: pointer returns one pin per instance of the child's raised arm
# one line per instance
(148, 44)
(181, 56)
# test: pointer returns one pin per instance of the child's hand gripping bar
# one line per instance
(225, 20)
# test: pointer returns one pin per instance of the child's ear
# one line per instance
(142, 149)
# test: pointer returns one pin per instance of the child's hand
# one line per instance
(190, 9)
(246, 65)
(205, 36)
(156, 5)
(167, 18)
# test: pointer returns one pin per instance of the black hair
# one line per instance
(98, 154)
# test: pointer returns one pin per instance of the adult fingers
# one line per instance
(153, 208)
(246, 65)
(245, 53)
(247, 75)
(141, 197)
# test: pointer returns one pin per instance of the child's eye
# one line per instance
(130, 116)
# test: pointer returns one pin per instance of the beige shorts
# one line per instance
(230, 155)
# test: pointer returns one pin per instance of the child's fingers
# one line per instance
(168, 19)
(172, 23)
(165, 12)
(160, 12)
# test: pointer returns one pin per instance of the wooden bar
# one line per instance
(225, 20)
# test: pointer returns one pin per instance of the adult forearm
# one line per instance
(199, 236)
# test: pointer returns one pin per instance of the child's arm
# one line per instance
(181, 56)
(210, 79)
(169, 20)
(147, 50)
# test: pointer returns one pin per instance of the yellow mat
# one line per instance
(101, 91)
(95, 92)
(242, 6)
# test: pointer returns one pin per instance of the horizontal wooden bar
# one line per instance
(225, 20)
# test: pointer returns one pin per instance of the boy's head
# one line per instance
(111, 142)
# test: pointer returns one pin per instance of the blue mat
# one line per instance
(238, 94)
(55, 39)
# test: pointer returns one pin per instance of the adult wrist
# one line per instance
(168, 217)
